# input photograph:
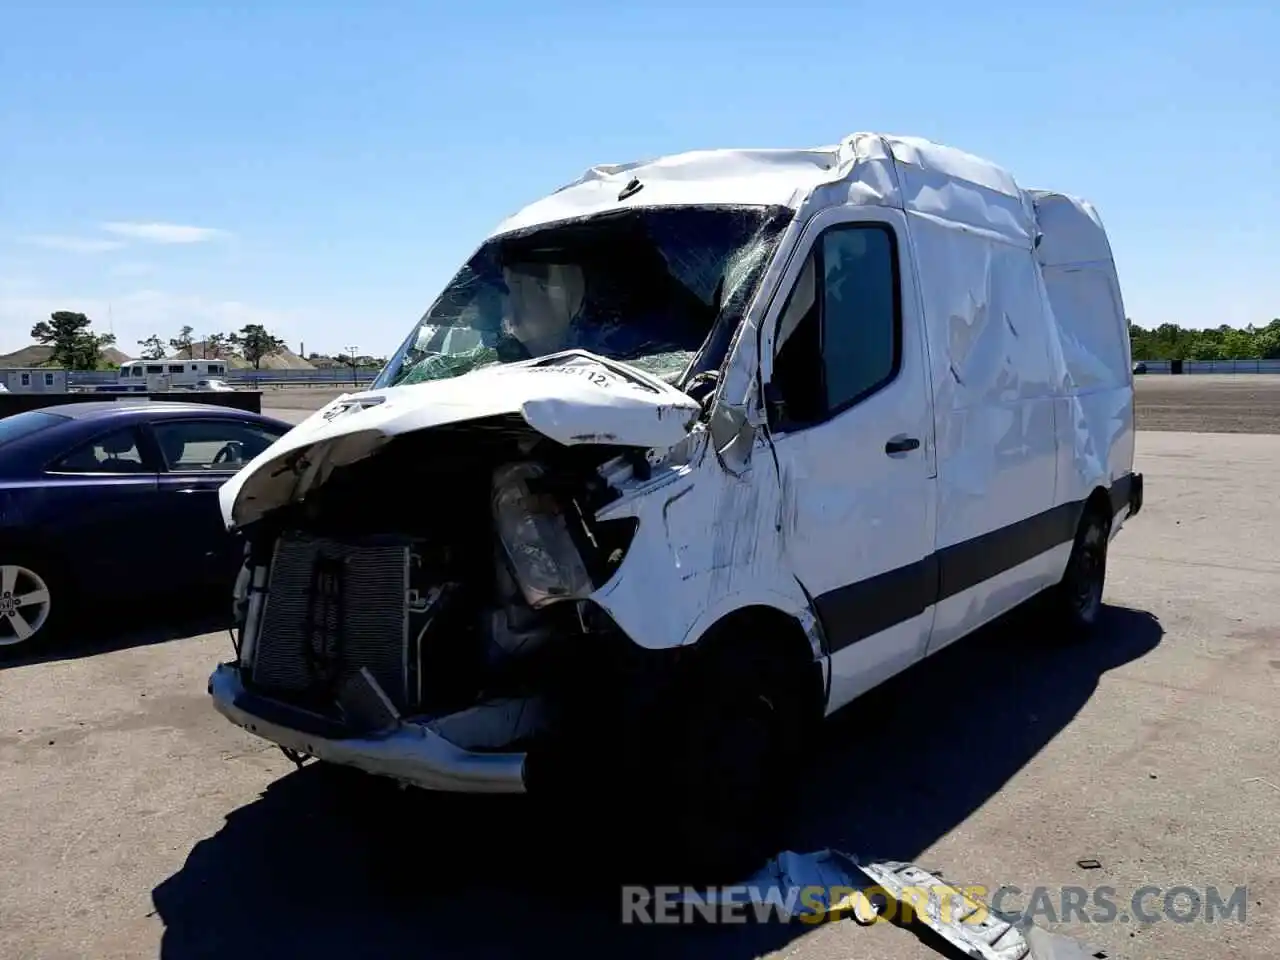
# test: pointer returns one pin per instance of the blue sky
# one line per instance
(324, 168)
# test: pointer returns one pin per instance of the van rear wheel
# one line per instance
(1076, 602)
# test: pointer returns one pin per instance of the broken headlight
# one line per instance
(534, 533)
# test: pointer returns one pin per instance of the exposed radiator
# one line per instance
(332, 608)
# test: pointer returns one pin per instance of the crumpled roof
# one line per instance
(907, 172)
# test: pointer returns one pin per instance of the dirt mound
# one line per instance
(285, 360)
(280, 360)
(37, 356)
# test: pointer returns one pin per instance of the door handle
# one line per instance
(900, 444)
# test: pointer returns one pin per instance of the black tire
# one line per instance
(1076, 602)
(34, 573)
(682, 764)
(724, 786)
(733, 789)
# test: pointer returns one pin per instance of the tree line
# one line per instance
(74, 346)
(1172, 342)
(252, 343)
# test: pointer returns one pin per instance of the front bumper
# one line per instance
(411, 753)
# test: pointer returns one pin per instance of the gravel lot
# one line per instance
(136, 822)
(1217, 403)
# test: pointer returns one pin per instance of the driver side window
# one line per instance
(199, 445)
(840, 334)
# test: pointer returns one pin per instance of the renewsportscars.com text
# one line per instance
(968, 904)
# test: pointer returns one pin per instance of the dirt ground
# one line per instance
(1209, 403)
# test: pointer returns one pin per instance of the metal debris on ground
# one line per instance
(901, 893)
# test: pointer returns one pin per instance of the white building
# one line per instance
(34, 380)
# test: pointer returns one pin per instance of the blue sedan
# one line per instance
(109, 502)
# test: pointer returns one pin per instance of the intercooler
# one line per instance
(333, 608)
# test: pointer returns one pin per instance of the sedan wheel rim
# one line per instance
(24, 604)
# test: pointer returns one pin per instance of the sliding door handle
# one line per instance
(900, 444)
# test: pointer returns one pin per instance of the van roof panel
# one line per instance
(910, 173)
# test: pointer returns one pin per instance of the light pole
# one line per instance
(351, 355)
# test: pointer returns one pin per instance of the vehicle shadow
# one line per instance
(105, 628)
(332, 864)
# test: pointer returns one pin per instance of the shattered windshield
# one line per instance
(660, 288)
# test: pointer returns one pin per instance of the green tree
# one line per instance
(152, 348)
(216, 346)
(183, 343)
(1269, 340)
(254, 343)
(1205, 348)
(75, 346)
(1224, 342)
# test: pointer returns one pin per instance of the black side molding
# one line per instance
(860, 610)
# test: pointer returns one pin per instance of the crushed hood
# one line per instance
(573, 397)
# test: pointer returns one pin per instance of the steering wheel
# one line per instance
(230, 453)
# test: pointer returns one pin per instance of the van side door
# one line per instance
(846, 383)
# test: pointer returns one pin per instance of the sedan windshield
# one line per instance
(662, 288)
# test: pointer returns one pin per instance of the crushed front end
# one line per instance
(438, 566)
(425, 616)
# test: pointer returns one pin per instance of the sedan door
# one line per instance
(95, 507)
(199, 455)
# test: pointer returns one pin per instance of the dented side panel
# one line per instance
(1089, 344)
(708, 543)
(994, 385)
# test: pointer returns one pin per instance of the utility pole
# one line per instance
(351, 355)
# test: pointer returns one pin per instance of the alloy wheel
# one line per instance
(24, 604)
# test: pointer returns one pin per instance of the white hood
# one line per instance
(573, 397)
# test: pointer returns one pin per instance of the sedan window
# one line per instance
(115, 452)
(211, 444)
(24, 424)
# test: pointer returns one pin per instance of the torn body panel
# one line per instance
(572, 398)
(709, 541)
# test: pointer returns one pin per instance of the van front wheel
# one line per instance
(1077, 599)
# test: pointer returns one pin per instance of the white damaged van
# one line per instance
(691, 453)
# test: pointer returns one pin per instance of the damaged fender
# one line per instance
(708, 543)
